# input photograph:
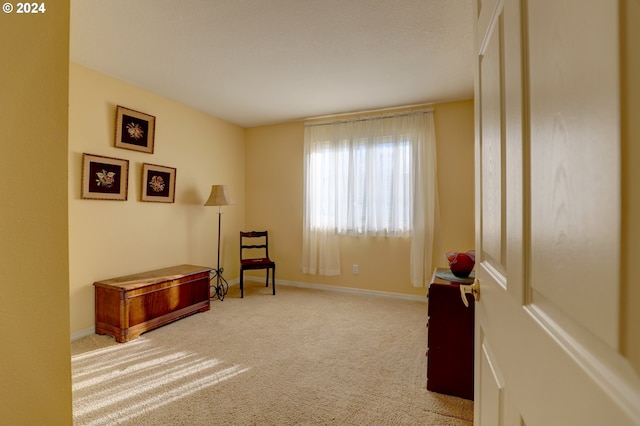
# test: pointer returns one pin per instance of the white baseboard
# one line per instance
(338, 288)
(82, 333)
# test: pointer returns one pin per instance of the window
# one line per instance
(362, 186)
(369, 177)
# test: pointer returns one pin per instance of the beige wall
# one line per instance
(274, 191)
(454, 136)
(630, 126)
(35, 372)
(113, 238)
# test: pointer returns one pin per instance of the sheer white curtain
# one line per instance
(373, 176)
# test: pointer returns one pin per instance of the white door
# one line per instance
(548, 216)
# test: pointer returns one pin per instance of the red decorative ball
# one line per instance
(461, 264)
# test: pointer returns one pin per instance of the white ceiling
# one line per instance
(257, 62)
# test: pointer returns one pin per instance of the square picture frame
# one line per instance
(158, 183)
(104, 178)
(135, 130)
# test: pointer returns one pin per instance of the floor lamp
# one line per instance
(219, 197)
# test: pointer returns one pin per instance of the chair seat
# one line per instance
(259, 263)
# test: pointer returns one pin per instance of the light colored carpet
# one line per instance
(302, 357)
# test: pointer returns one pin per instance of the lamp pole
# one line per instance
(222, 286)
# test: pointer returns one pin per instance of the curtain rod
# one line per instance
(376, 117)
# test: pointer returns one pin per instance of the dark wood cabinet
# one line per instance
(450, 340)
(128, 306)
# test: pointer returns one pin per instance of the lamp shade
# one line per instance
(219, 196)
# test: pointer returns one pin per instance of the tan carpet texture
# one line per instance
(302, 357)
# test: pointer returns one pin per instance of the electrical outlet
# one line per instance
(355, 269)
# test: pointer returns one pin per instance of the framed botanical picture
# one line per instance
(158, 183)
(104, 178)
(134, 130)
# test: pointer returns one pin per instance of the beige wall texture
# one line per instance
(109, 239)
(274, 197)
(35, 372)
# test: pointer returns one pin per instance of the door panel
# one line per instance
(548, 226)
(492, 206)
(492, 389)
(575, 208)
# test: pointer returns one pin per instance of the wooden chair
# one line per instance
(251, 242)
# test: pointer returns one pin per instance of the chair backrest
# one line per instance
(254, 240)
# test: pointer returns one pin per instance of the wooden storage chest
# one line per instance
(128, 306)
